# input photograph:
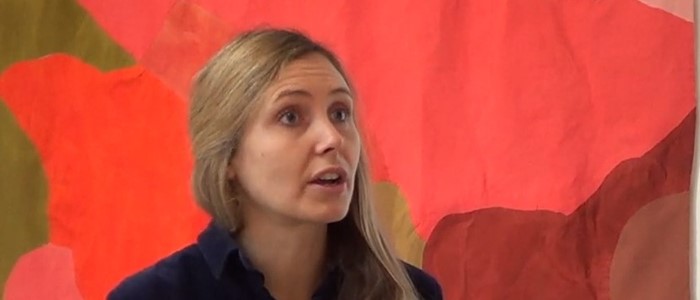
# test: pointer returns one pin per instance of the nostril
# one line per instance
(329, 149)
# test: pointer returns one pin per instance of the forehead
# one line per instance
(313, 67)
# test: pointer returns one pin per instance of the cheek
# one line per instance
(263, 168)
(354, 147)
(269, 170)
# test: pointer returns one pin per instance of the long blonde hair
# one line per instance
(224, 94)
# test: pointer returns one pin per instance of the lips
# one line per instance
(330, 176)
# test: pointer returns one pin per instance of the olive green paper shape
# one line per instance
(30, 29)
(24, 223)
(394, 217)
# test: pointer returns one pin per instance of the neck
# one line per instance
(292, 258)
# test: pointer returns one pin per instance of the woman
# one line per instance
(279, 166)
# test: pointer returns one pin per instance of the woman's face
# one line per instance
(298, 156)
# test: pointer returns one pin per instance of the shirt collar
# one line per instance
(329, 286)
(218, 247)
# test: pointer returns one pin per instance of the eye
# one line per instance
(289, 117)
(340, 114)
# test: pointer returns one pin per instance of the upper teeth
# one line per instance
(330, 176)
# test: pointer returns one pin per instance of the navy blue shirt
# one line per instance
(216, 268)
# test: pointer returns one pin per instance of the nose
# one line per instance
(329, 138)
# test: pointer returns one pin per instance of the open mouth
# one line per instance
(330, 177)
(335, 181)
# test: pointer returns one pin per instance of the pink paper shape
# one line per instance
(44, 273)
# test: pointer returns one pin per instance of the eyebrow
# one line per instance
(301, 92)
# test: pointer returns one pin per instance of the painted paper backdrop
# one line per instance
(521, 149)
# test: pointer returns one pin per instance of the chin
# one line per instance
(337, 218)
(331, 215)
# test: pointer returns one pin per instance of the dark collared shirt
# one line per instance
(216, 268)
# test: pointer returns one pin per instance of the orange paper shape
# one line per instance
(116, 153)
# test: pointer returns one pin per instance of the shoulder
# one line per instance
(166, 279)
(425, 284)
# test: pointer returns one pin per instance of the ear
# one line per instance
(230, 171)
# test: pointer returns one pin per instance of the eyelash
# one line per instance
(289, 111)
(345, 110)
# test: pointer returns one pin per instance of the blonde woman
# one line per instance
(279, 165)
